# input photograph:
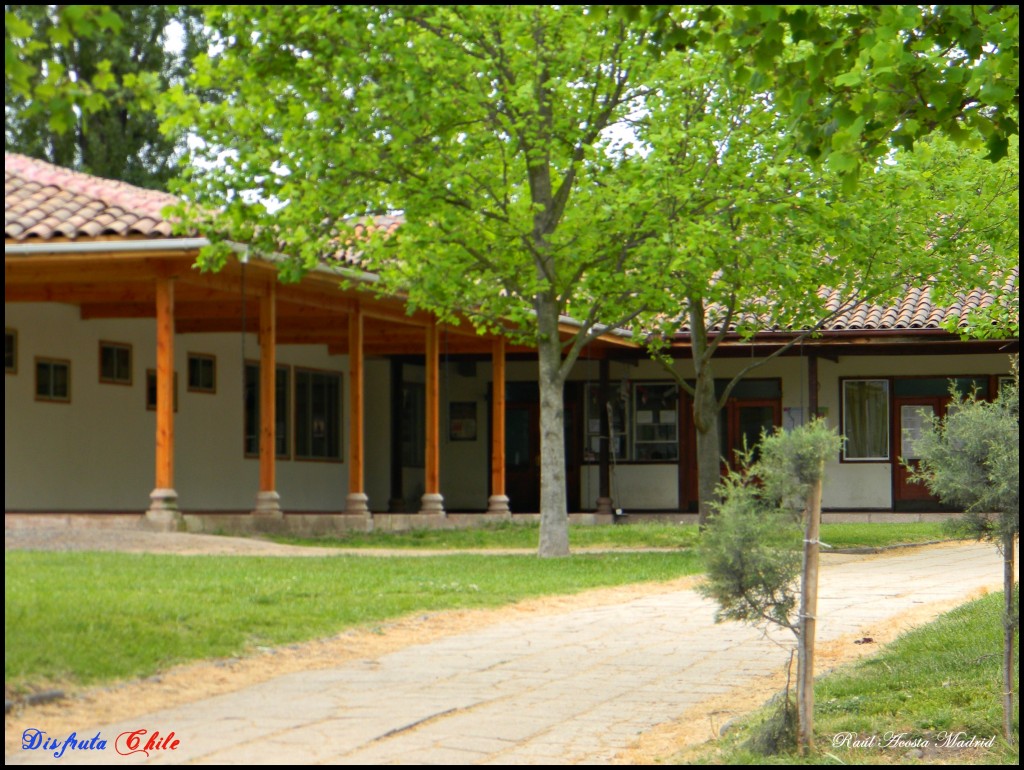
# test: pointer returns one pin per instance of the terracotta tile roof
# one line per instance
(916, 311)
(43, 201)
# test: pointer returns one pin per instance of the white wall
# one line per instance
(852, 485)
(97, 452)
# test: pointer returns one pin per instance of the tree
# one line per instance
(486, 127)
(856, 80)
(759, 238)
(971, 458)
(751, 546)
(79, 94)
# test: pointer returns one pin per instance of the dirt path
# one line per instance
(191, 682)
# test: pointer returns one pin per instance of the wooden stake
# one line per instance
(808, 619)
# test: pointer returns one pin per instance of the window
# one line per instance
(282, 392)
(53, 380)
(619, 436)
(202, 373)
(116, 363)
(655, 422)
(866, 420)
(151, 390)
(10, 351)
(317, 415)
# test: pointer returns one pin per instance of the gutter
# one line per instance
(156, 245)
(99, 247)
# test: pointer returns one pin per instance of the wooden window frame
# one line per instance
(66, 363)
(116, 346)
(207, 358)
(340, 377)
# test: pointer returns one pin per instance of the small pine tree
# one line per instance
(751, 546)
(971, 458)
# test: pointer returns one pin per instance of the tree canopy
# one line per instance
(545, 164)
(487, 128)
(80, 85)
(855, 80)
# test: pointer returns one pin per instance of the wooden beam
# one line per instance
(93, 271)
(91, 310)
(80, 293)
(165, 383)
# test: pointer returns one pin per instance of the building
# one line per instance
(136, 383)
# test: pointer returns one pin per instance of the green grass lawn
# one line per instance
(634, 535)
(942, 679)
(88, 617)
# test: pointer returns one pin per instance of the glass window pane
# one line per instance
(655, 422)
(866, 419)
(43, 387)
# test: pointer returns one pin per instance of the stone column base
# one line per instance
(604, 506)
(357, 503)
(268, 505)
(163, 514)
(498, 504)
(432, 503)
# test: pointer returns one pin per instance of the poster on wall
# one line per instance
(462, 421)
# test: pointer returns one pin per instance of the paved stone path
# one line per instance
(572, 688)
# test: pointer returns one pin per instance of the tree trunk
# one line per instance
(808, 620)
(709, 442)
(554, 515)
(1009, 634)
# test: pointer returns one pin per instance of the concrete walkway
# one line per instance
(572, 688)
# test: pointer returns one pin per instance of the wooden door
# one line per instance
(522, 457)
(910, 415)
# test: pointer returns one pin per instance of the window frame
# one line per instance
(118, 347)
(845, 413)
(635, 442)
(339, 423)
(49, 398)
(202, 358)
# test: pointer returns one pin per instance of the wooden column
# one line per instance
(432, 501)
(268, 502)
(604, 482)
(498, 502)
(163, 500)
(356, 502)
